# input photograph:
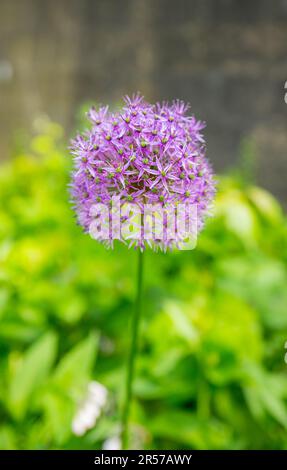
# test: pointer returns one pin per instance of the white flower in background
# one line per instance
(112, 443)
(90, 409)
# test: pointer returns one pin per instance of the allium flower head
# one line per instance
(143, 154)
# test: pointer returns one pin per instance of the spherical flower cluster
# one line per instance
(144, 154)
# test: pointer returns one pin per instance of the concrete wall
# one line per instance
(227, 57)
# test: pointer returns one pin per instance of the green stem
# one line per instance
(132, 354)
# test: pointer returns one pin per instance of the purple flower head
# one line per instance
(143, 154)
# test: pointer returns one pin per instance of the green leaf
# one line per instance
(180, 322)
(7, 438)
(187, 431)
(18, 331)
(59, 412)
(76, 365)
(31, 371)
(275, 406)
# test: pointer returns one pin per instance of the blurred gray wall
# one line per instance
(227, 57)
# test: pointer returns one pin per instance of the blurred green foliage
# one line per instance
(211, 374)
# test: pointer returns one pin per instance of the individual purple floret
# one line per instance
(144, 154)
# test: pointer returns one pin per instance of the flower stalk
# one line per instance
(135, 323)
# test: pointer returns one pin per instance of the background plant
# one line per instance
(211, 373)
